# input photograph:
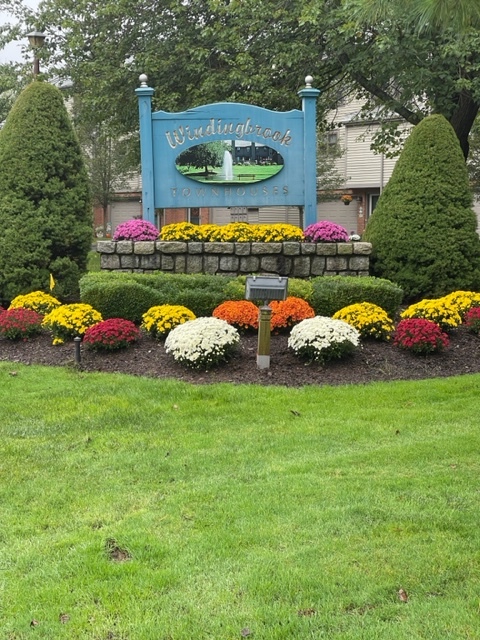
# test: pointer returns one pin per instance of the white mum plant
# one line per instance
(323, 339)
(202, 343)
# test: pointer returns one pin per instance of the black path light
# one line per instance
(266, 288)
(36, 40)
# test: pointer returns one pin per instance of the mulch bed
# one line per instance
(375, 361)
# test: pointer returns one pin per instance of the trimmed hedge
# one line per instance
(332, 293)
(130, 295)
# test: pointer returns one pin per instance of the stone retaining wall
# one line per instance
(294, 259)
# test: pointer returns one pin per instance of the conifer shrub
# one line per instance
(423, 230)
(45, 209)
(332, 293)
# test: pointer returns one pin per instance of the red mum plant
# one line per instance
(242, 314)
(289, 312)
(111, 334)
(20, 323)
(472, 320)
(420, 336)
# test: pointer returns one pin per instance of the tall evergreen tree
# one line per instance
(423, 230)
(45, 210)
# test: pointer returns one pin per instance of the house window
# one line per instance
(331, 138)
(372, 202)
(194, 215)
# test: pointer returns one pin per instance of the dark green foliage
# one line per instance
(332, 293)
(423, 230)
(45, 212)
(130, 295)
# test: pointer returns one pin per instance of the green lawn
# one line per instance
(150, 510)
(241, 173)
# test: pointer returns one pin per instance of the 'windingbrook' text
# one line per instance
(183, 134)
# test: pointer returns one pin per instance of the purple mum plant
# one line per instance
(325, 231)
(136, 230)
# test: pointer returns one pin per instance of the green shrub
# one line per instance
(130, 295)
(423, 230)
(45, 209)
(116, 299)
(332, 293)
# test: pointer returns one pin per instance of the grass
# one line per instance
(241, 173)
(93, 261)
(151, 510)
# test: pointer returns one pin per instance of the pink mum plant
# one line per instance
(136, 230)
(326, 231)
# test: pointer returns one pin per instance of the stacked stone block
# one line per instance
(293, 259)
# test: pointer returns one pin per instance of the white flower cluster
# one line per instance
(323, 338)
(202, 343)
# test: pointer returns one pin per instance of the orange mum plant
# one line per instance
(289, 312)
(242, 314)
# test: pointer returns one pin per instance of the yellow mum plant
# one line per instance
(370, 320)
(278, 233)
(463, 300)
(37, 301)
(233, 232)
(442, 311)
(70, 320)
(181, 232)
(158, 321)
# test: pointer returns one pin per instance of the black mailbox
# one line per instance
(266, 288)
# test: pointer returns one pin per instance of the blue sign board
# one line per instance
(290, 136)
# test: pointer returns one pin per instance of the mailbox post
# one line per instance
(266, 288)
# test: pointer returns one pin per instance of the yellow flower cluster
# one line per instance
(38, 301)
(233, 232)
(70, 320)
(463, 300)
(442, 311)
(160, 320)
(370, 320)
(278, 233)
(181, 232)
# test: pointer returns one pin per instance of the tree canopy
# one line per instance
(198, 51)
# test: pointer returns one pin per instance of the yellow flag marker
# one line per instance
(52, 282)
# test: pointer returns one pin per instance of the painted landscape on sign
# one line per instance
(229, 162)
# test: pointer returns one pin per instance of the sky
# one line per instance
(13, 51)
